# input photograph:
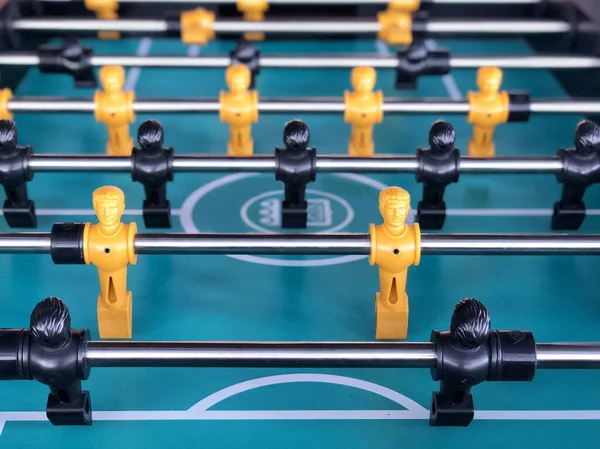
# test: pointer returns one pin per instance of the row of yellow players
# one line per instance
(239, 109)
(196, 25)
(109, 244)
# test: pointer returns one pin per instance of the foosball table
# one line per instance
(355, 222)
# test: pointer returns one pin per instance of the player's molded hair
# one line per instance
(108, 193)
(50, 322)
(587, 136)
(485, 73)
(8, 134)
(393, 193)
(151, 134)
(111, 73)
(442, 136)
(470, 324)
(296, 135)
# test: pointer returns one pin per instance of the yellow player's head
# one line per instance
(112, 78)
(363, 79)
(109, 204)
(238, 78)
(394, 204)
(489, 79)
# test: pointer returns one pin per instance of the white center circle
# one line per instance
(187, 220)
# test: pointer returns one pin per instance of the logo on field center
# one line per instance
(326, 212)
(250, 202)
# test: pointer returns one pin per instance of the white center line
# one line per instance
(134, 74)
(382, 48)
(193, 51)
(448, 80)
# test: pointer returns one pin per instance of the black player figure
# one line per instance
(55, 360)
(19, 210)
(438, 167)
(468, 334)
(295, 167)
(581, 169)
(152, 166)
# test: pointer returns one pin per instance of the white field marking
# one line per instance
(233, 390)
(382, 47)
(199, 411)
(448, 80)
(193, 50)
(187, 221)
(134, 74)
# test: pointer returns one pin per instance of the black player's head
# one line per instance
(296, 136)
(8, 135)
(442, 136)
(587, 136)
(470, 324)
(50, 323)
(151, 134)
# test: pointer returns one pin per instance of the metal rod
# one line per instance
(509, 244)
(525, 62)
(280, 355)
(25, 243)
(285, 27)
(329, 244)
(47, 163)
(568, 355)
(276, 244)
(320, 61)
(324, 2)
(308, 355)
(313, 105)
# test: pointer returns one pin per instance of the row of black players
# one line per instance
(296, 166)
(71, 58)
(53, 353)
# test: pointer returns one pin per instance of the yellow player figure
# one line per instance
(489, 108)
(114, 108)
(105, 10)
(109, 246)
(364, 108)
(253, 11)
(395, 246)
(239, 108)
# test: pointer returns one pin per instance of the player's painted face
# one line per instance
(395, 212)
(239, 83)
(114, 83)
(365, 84)
(108, 211)
(491, 85)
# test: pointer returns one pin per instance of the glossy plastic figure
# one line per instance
(109, 246)
(395, 246)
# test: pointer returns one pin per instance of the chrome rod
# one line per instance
(509, 244)
(260, 164)
(324, 2)
(25, 243)
(320, 61)
(307, 105)
(568, 355)
(526, 62)
(289, 26)
(280, 355)
(274, 244)
(328, 244)
(308, 355)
